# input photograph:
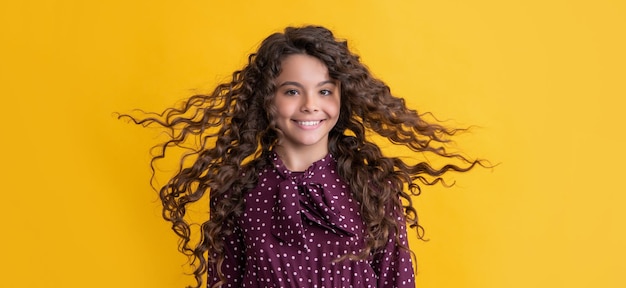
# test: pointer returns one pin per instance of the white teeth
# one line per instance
(308, 123)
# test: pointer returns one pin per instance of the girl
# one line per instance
(299, 197)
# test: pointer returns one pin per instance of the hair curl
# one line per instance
(234, 131)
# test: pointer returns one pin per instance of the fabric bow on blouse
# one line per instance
(303, 200)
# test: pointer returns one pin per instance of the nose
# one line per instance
(310, 103)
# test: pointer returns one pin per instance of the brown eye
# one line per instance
(291, 92)
(326, 92)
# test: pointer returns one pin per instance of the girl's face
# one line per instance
(307, 102)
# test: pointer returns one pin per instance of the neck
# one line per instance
(299, 159)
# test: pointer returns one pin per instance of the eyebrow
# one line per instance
(297, 84)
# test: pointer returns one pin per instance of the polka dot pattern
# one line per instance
(295, 224)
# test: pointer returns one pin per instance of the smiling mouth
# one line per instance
(309, 123)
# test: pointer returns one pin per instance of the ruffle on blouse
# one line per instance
(302, 198)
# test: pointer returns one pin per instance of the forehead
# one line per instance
(302, 67)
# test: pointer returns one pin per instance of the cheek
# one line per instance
(335, 106)
(282, 109)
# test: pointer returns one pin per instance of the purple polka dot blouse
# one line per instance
(295, 224)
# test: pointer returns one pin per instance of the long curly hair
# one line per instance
(229, 135)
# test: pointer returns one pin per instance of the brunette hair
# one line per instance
(234, 132)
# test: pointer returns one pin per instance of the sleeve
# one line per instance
(234, 264)
(393, 263)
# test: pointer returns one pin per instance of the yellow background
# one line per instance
(544, 80)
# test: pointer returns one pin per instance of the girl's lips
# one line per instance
(308, 124)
